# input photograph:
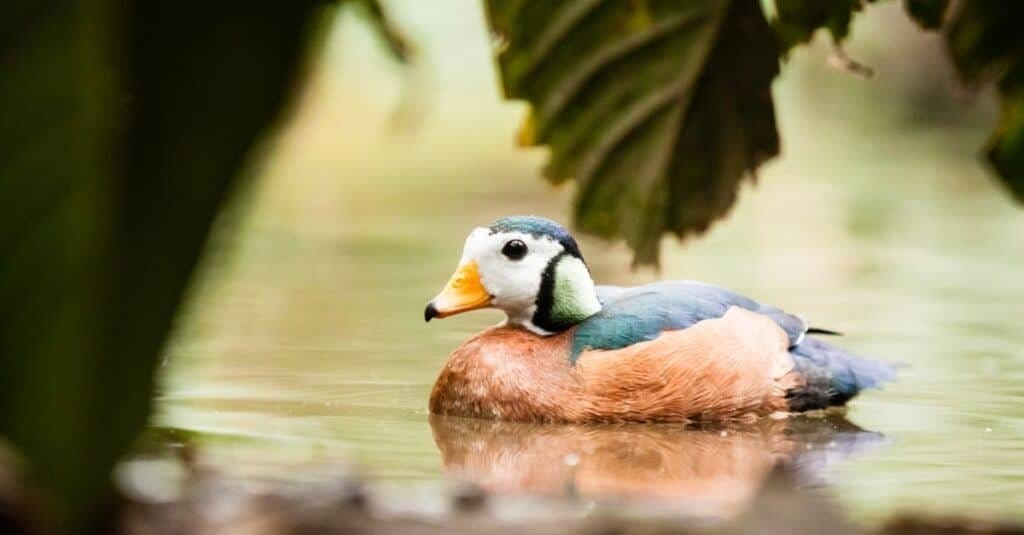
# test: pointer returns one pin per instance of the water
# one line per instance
(303, 345)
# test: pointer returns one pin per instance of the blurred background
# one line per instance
(302, 343)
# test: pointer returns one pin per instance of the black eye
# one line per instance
(514, 249)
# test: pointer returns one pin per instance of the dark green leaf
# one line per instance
(797, 20)
(929, 14)
(657, 109)
(985, 41)
(1006, 148)
(124, 126)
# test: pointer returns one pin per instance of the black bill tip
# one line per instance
(430, 312)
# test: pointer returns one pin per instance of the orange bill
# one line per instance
(464, 292)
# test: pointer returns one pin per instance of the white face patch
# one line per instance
(513, 284)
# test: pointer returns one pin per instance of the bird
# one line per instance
(572, 351)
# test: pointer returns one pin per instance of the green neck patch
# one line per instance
(566, 295)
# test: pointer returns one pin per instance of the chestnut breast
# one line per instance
(507, 373)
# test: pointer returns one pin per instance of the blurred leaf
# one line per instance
(657, 109)
(382, 25)
(125, 124)
(985, 41)
(56, 160)
(929, 14)
(797, 20)
(1006, 148)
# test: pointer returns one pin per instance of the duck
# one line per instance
(572, 351)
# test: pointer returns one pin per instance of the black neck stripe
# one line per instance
(546, 299)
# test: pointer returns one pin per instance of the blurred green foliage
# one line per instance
(796, 21)
(125, 124)
(987, 45)
(928, 13)
(657, 109)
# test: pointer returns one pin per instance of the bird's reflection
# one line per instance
(713, 470)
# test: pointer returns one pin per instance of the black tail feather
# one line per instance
(827, 332)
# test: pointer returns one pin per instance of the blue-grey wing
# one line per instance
(631, 315)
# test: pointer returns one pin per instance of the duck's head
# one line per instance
(527, 266)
